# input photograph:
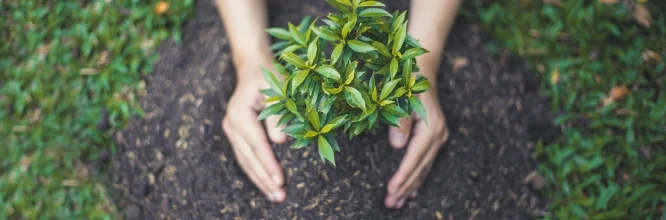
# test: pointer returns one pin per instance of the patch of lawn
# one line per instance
(67, 69)
(600, 62)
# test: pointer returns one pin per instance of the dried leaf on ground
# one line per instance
(642, 15)
(608, 2)
(557, 3)
(616, 93)
(161, 7)
(650, 56)
(535, 180)
(555, 77)
(459, 63)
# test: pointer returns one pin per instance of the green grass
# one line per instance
(609, 161)
(62, 65)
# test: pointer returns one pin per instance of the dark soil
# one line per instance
(176, 163)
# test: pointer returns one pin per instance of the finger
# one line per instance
(398, 136)
(238, 143)
(253, 134)
(417, 147)
(415, 178)
(258, 173)
(274, 132)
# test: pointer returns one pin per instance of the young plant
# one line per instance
(366, 78)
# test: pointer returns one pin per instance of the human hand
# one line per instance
(421, 152)
(248, 140)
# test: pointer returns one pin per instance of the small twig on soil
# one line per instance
(372, 164)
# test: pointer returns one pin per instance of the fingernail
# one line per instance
(271, 197)
(413, 194)
(277, 180)
(279, 196)
(399, 203)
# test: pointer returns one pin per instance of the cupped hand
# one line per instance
(248, 140)
(425, 143)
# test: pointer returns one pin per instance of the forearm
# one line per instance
(430, 22)
(245, 22)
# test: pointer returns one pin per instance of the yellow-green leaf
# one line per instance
(293, 59)
(310, 134)
(371, 4)
(393, 69)
(386, 102)
(296, 35)
(298, 79)
(337, 52)
(399, 38)
(388, 88)
(313, 117)
(313, 49)
(325, 150)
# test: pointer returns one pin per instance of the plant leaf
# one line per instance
(279, 33)
(360, 46)
(291, 106)
(374, 12)
(272, 81)
(400, 91)
(356, 97)
(336, 53)
(312, 50)
(418, 108)
(286, 118)
(293, 59)
(399, 38)
(346, 29)
(328, 72)
(406, 71)
(310, 134)
(336, 122)
(270, 110)
(411, 41)
(345, 2)
(291, 49)
(296, 35)
(371, 4)
(325, 150)
(272, 99)
(414, 52)
(300, 143)
(326, 33)
(393, 69)
(390, 119)
(333, 90)
(381, 48)
(421, 86)
(313, 117)
(388, 88)
(395, 110)
(298, 79)
(386, 102)
(398, 21)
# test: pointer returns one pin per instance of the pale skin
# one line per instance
(245, 21)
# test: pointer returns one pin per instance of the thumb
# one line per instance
(398, 136)
(274, 132)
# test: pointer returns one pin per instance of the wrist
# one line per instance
(248, 66)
